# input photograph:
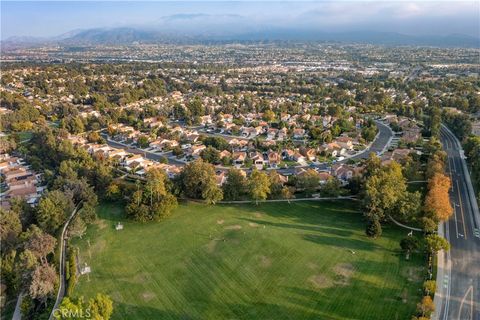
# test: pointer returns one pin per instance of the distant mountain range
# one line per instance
(133, 35)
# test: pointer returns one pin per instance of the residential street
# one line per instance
(378, 146)
(458, 280)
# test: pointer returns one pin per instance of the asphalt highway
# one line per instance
(458, 279)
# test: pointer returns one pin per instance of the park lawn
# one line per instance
(305, 260)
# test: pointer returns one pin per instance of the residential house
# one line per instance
(257, 159)
(274, 159)
(298, 133)
(238, 158)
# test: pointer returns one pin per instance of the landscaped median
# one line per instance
(304, 260)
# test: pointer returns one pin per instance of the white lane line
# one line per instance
(449, 275)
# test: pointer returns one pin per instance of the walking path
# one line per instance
(63, 242)
(404, 225)
(290, 200)
(17, 314)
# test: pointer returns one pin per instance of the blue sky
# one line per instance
(46, 19)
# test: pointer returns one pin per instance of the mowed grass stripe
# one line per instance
(272, 261)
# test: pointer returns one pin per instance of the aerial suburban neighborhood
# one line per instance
(154, 175)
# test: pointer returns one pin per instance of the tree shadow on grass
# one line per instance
(319, 228)
(343, 243)
(129, 311)
(336, 212)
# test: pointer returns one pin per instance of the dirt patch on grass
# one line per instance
(319, 281)
(221, 221)
(312, 266)
(413, 274)
(211, 246)
(258, 215)
(343, 272)
(253, 224)
(116, 296)
(140, 278)
(98, 246)
(147, 296)
(265, 262)
(101, 224)
(233, 227)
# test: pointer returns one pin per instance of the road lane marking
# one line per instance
(470, 290)
(448, 266)
(476, 232)
(456, 222)
(461, 211)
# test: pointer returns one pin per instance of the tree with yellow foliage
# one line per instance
(437, 201)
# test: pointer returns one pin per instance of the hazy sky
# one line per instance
(45, 19)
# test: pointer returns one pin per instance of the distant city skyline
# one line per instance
(53, 18)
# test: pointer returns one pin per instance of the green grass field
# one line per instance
(306, 260)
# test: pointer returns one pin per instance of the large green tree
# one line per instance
(235, 186)
(198, 181)
(383, 190)
(258, 185)
(53, 210)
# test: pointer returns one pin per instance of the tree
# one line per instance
(408, 245)
(101, 307)
(430, 286)
(154, 202)
(218, 143)
(155, 187)
(309, 181)
(142, 141)
(408, 206)
(437, 200)
(460, 124)
(212, 194)
(10, 228)
(383, 189)
(41, 244)
(198, 181)
(286, 193)
(426, 307)
(332, 188)
(235, 186)
(258, 185)
(210, 155)
(436, 163)
(44, 279)
(94, 136)
(77, 227)
(276, 185)
(69, 309)
(53, 209)
(88, 213)
(269, 115)
(374, 228)
(436, 243)
(113, 192)
(98, 308)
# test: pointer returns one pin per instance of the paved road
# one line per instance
(146, 154)
(458, 279)
(379, 145)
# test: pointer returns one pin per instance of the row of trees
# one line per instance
(157, 196)
(472, 152)
(29, 234)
